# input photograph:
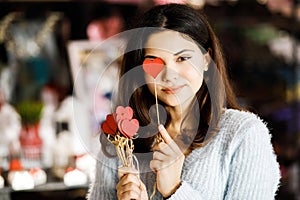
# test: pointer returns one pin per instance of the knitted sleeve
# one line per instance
(254, 171)
(104, 185)
(186, 192)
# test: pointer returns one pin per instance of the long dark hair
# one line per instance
(215, 93)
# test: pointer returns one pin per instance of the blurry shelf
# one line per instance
(55, 190)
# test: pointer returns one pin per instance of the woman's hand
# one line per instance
(130, 185)
(167, 163)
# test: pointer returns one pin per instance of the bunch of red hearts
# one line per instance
(120, 129)
(121, 121)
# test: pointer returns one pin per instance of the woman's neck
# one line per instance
(177, 114)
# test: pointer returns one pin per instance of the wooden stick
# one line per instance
(156, 103)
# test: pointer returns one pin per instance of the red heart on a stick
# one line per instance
(128, 127)
(106, 129)
(109, 126)
(153, 66)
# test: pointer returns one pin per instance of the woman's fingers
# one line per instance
(126, 170)
(165, 153)
(161, 160)
(129, 178)
(129, 194)
(163, 148)
(168, 140)
(165, 134)
(128, 190)
(129, 187)
(156, 165)
(158, 155)
(167, 163)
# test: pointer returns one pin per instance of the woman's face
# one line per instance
(182, 75)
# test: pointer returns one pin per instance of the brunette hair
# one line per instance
(215, 94)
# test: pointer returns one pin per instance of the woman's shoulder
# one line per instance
(234, 119)
(238, 115)
(236, 125)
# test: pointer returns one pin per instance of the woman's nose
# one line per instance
(169, 73)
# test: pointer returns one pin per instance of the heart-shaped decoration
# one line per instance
(128, 127)
(109, 126)
(123, 113)
(106, 129)
(153, 66)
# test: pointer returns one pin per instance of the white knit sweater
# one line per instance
(238, 164)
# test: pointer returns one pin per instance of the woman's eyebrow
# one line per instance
(184, 50)
(150, 56)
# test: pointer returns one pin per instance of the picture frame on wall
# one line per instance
(94, 69)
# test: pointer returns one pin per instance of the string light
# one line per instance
(34, 46)
(4, 24)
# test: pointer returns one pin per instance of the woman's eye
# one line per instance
(183, 58)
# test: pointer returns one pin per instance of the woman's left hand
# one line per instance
(167, 163)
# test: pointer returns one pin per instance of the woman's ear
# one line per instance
(207, 60)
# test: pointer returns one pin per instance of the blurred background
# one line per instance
(50, 61)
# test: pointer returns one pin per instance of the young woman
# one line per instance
(210, 148)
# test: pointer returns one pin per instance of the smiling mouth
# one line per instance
(172, 90)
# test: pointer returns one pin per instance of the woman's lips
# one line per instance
(172, 90)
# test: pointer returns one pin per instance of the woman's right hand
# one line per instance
(130, 185)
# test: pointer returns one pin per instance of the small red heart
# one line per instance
(106, 129)
(153, 66)
(112, 122)
(109, 126)
(128, 127)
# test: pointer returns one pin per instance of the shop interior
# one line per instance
(50, 61)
